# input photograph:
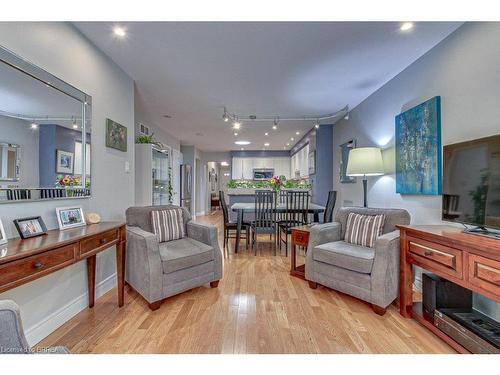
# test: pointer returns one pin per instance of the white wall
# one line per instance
(19, 132)
(463, 70)
(63, 51)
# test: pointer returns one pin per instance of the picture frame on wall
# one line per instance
(3, 236)
(116, 135)
(65, 161)
(345, 148)
(30, 227)
(70, 217)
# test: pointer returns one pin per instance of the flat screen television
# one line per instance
(471, 183)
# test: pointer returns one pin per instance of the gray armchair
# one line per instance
(370, 274)
(160, 270)
(12, 339)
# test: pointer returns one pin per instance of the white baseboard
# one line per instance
(42, 329)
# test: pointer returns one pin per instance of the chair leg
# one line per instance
(379, 310)
(214, 284)
(312, 284)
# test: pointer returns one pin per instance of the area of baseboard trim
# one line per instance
(42, 329)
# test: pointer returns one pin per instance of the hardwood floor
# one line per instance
(257, 308)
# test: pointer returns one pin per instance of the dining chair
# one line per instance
(296, 214)
(265, 217)
(330, 205)
(230, 226)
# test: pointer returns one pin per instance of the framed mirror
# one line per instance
(45, 134)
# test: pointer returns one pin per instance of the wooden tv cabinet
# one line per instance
(468, 260)
(22, 261)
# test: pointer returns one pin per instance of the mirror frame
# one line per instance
(24, 66)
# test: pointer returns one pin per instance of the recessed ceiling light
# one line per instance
(266, 144)
(288, 144)
(405, 26)
(34, 126)
(235, 134)
(292, 139)
(242, 149)
(224, 163)
(266, 133)
(297, 133)
(75, 126)
(242, 143)
(119, 31)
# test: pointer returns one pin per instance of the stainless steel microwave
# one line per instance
(263, 173)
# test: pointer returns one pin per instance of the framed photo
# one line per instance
(30, 227)
(312, 162)
(3, 237)
(116, 135)
(70, 217)
(64, 162)
(345, 148)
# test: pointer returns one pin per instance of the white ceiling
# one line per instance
(190, 71)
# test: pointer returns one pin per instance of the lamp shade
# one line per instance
(365, 161)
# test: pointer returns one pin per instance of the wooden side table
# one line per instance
(300, 237)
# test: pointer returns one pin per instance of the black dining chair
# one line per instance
(230, 226)
(295, 215)
(330, 205)
(265, 217)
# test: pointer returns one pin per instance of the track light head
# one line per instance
(225, 116)
(346, 117)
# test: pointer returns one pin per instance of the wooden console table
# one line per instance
(470, 261)
(300, 237)
(22, 261)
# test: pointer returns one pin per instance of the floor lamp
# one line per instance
(365, 162)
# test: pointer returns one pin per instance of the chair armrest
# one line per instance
(385, 271)
(204, 233)
(208, 235)
(12, 337)
(324, 233)
(143, 268)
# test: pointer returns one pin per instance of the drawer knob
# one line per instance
(103, 241)
(427, 253)
(38, 265)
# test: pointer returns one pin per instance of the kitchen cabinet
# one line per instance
(299, 163)
(242, 168)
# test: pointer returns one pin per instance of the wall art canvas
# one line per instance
(64, 162)
(116, 135)
(418, 149)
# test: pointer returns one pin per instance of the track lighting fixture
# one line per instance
(276, 119)
(236, 124)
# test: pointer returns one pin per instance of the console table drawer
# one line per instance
(94, 244)
(30, 268)
(484, 273)
(439, 258)
(300, 238)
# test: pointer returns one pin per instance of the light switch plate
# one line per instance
(127, 167)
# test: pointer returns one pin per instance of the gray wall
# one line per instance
(463, 70)
(63, 51)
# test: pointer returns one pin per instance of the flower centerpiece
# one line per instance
(68, 181)
(275, 183)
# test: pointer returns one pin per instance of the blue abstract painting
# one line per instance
(418, 149)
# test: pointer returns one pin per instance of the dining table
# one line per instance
(242, 208)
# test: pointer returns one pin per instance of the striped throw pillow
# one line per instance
(168, 224)
(363, 229)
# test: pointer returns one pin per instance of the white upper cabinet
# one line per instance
(299, 163)
(242, 168)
